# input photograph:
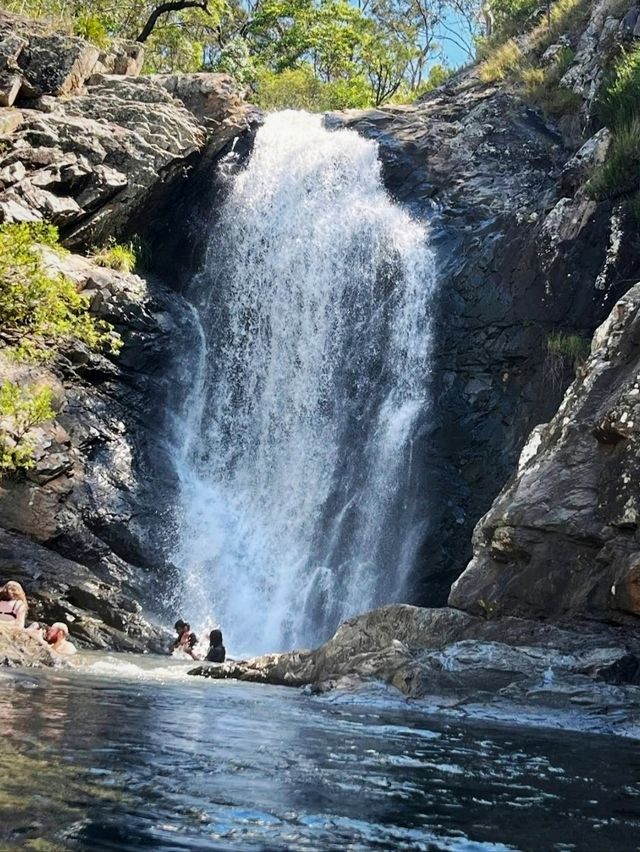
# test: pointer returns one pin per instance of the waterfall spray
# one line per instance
(309, 381)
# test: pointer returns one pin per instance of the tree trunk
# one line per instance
(164, 9)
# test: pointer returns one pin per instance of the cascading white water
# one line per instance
(308, 385)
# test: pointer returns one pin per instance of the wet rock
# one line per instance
(96, 605)
(452, 660)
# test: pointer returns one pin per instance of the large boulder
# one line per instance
(93, 160)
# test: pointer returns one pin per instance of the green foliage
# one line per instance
(437, 75)
(122, 258)
(620, 173)
(39, 310)
(360, 53)
(619, 104)
(619, 108)
(21, 408)
(512, 16)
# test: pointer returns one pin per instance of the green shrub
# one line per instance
(620, 173)
(21, 408)
(39, 310)
(619, 105)
(122, 258)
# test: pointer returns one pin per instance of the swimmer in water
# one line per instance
(186, 640)
(57, 636)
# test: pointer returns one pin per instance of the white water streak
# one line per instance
(309, 383)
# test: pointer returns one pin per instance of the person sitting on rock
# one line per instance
(186, 640)
(217, 651)
(58, 637)
(13, 604)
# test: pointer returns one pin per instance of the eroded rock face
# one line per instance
(562, 538)
(91, 161)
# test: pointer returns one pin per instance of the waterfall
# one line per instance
(309, 381)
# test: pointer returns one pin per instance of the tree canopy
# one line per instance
(320, 54)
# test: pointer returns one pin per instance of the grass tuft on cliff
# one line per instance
(619, 109)
(619, 104)
(122, 258)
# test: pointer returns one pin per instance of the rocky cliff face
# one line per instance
(562, 539)
(525, 256)
(89, 146)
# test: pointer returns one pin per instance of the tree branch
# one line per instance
(165, 8)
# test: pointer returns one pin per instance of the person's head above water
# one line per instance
(58, 632)
(180, 626)
(215, 638)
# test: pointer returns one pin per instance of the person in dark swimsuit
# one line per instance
(217, 651)
(13, 604)
(186, 640)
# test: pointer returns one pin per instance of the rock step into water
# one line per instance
(446, 656)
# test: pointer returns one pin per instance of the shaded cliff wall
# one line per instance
(524, 256)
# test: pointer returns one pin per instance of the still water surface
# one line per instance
(114, 756)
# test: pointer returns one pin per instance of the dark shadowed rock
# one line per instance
(98, 609)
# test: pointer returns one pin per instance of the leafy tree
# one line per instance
(383, 47)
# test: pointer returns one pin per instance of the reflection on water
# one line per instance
(134, 759)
